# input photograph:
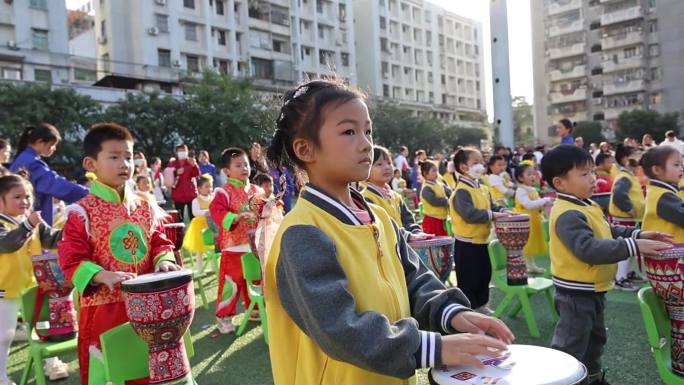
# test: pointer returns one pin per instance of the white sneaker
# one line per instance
(7, 381)
(56, 369)
(225, 325)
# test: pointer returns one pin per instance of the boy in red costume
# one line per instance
(234, 211)
(110, 235)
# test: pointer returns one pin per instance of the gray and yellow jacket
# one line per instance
(394, 206)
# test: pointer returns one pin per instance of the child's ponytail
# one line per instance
(44, 132)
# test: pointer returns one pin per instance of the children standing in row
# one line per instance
(435, 199)
(95, 252)
(584, 249)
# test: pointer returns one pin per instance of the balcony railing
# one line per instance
(622, 39)
(621, 15)
(622, 64)
(560, 97)
(563, 6)
(577, 72)
(575, 26)
(621, 88)
(573, 50)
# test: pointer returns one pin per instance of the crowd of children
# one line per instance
(352, 319)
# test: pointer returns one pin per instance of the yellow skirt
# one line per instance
(536, 246)
(193, 241)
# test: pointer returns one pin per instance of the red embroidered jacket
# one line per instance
(229, 201)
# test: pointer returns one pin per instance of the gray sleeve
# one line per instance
(621, 195)
(671, 208)
(407, 218)
(432, 304)
(13, 240)
(463, 204)
(313, 290)
(429, 195)
(49, 236)
(447, 190)
(574, 231)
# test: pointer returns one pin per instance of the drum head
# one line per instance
(513, 218)
(526, 365)
(432, 242)
(154, 282)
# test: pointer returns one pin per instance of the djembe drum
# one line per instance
(175, 232)
(160, 307)
(665, 272)
(58, 290)
(437, 254)
(513, 231)
(521, 365)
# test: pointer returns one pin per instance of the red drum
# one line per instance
(513, 231)
(160, 307)
(665, 272)
(51, 283)
(437, 254)
(175, 232)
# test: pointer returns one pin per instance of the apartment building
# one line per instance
(422, 57)
(594, 59)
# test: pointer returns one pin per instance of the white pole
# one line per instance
(501, 78)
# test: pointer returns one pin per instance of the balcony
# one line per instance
(563, 6)
(573, 50)
(573, 116)
(622, 64)
(577, 72)
(621, 88)
(622, 39)
(621, 15)
(564, 97)
(575, 26)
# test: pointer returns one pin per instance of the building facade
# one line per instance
(594, 59)
(421, 57)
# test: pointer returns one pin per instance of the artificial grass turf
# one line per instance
(244, 360)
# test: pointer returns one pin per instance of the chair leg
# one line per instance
(27, 369)
(515, 310)
(38, 369)
(245, 318)
(549, 298)
(529, 315)
(200, 287)
(264, 320)
(503, 305)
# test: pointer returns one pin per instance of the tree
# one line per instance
(523, 120)
(70, 112)
(469, 136)
(394, 127)
(636, 123)
(589, 131)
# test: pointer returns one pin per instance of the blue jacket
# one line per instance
(568, 140)
(46, 183)
(211, 170)
(288, 197)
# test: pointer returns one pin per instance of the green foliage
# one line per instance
(589, 131)
(523, 119)
(636, 123)
(468, 136)
(394, 127)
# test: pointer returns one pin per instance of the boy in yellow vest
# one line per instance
(584, 250)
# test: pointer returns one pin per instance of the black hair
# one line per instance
(602, 157)
(656, 156)
(622, 152)
(102, 132)
(461, 157)
(229, 153)
(529, 156)
(260, 179)
(492, 160)
(561, 159)
(380, 152)
(520, 170)
(182, 145)
(4, 143)
(301, 117)
(202, 180)
(425, 167)
(567, 124)
(10, 181)
(40, 132)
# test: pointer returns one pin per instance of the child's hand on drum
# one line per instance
(420, 236)
(112, 278)
(502, 214)
(463, 349)
(476, 323)
(656, 236)
(651, 247)
(165, 266)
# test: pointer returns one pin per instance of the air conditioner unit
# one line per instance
(11, 44)
(154, 31)
(160, 2)
(177, 63)
(102, 39)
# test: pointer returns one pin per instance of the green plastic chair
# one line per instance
(251, 270)
(125, 355)
(657, 325)
(211, 254)
(39, 350)
(448, 227)
(197, 276)
(522, 293)
(545, 230)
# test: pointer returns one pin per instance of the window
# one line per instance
(221, 66)
(651, 4)
(345, 59)
(42, 75)
(280, 15)
(105, 61)
(342, 12)
(319, 6)
(164, 58)
(655, 73)
(11, 73)
(321, 32)
(221, 35)
(189, 4)
(162, 22)
(84, 74)
(40, 4)
(262, 69)
(383, 23)
(385, 91)
(630, 52)
(40, 39)
(103, 28)
(192, 63)
(281, 45)
(190, 31)
(219, 7)
(654, 50)
(653, 26)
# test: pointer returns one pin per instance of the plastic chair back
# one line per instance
(28, 307)
(655, 316)
(251, 268)
(497, 255)
(208, 238)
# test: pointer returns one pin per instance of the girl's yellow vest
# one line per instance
(451, 179)
(375, 277)
(564, 264)
(535, 246)
(434, 211)
(636, 196)
(470, 232)
(652, 222)
(681, 188)
(392, 205)
(16, 268)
